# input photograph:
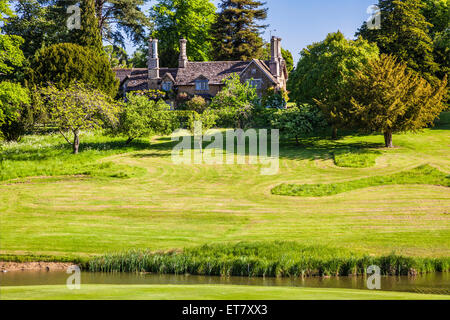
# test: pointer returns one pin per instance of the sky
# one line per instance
(303, 22)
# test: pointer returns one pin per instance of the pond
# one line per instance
(438, 283)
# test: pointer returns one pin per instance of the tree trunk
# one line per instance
(388, 139)
(76, 141)
(334, 134)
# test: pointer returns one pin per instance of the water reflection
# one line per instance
(431, 283)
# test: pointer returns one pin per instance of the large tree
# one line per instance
(386, 97)
(63, 64)
(237, 34)
(323, 70)
(189, 19)
(404, 33)
(89, 35)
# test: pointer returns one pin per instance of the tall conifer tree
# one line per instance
(236, 32)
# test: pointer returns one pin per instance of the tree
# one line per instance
(141, 117)
(236, 33)
(298, 122)
(323, 70)
(404, 33)
(11, 56)
(188, 19)
(13, 102)
(386, 97)
(139, 58)
(89, 35)
(117, 56)
(63, 64)
(235, 103)
(78, 107)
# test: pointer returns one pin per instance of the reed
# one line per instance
(263, 259)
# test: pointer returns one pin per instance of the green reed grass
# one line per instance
(263, 259)
(421, 175)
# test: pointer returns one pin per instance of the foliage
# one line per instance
(197, 104)
(235, 103)
(139, 58)
(89, 35)
(275, 98)
(151, 94)
(298, 122)
(13, 101)
(63, 64)
(207, 118)
(236, 32)
(117, 56)
(386, 97)
(188, 19)
(404, 33)
(323, 70)
(262, 259)
(78, 107)
(420, 175)
(141, 117)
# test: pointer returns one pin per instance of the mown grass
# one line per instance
(355, 158)
(264, 259)
(201, 292)
(50, 155)
(421, 175)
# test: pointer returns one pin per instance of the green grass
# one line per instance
(50, 155)
(356, 158)
(420, 175)
(263, 259)
(201, 292)
(183, 206)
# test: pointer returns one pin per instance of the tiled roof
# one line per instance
(215, 71)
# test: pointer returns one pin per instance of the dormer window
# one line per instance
(167, 86)
(202, 85)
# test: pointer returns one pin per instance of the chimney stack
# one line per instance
(183, 60)
(153, 59)
(275, 56)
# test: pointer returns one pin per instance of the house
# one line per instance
(204, 78)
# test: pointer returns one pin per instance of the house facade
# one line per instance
(204, 79)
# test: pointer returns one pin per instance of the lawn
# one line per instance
(202, 292)
(161, 206)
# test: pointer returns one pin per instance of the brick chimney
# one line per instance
(153, 59)
(275, 57)
(183, 60)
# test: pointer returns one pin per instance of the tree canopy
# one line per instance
(324, 68)
(188, 19)
(63, 64)
(237, 35)
(386, 97)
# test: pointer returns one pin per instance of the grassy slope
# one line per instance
(202, 292)
(174, 206)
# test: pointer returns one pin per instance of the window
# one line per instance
(167, 86)
(201, 85)
(255, 83)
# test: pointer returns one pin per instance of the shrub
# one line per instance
(275, 98)
(141, 116)
(298, 122)
(14, 110)
(197, 104)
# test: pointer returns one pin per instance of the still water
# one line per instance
(438, 283)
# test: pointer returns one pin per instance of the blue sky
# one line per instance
(302, 22)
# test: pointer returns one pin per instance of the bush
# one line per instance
(66, 63)
(197, 104)
(141, 116)
(298, 122)
(15, 115)
(275, 99)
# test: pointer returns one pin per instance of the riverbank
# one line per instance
(6, 266)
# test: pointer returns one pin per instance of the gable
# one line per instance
(257, 69)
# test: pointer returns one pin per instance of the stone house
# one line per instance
(204, 79)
